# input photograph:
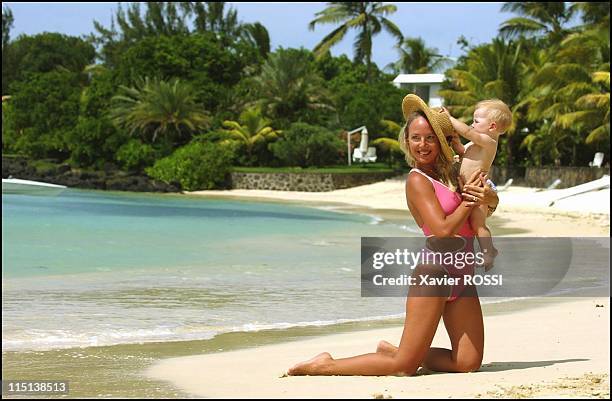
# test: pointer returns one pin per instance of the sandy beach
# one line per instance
(565, 354)
(544, 347)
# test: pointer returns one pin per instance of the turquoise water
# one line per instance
(91, 268)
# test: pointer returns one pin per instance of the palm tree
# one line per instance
(257, 36)
(488, 71)
(570, 92)
(416, 58)
(367, 17)
(537, 18)
(155, 108)
(250, 129)
(586, 95)
(593, 112)
(593, 12)
(288, 85)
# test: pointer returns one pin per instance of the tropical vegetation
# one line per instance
(183, 92)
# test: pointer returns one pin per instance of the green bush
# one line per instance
(43, 110)
(93, 142)
(197, 165)
(135, 155)
(307, 145)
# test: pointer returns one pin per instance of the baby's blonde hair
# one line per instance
(498, 112)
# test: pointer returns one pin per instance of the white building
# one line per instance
(425, 86)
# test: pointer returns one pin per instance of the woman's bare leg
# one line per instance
(463, 321)
(467, 339)
(422, 318)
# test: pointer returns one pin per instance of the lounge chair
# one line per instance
(364, 153)
(603, 182)
(554, 184)
(506, 185)
(370, 156)
(357, 155)
(597, 160)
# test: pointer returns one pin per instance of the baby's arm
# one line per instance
(471, 134)
(467, 132)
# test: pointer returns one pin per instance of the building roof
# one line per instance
(419, 78)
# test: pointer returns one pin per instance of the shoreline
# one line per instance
(138, 361)
(520, 366)
(522, 211)
(499, 306)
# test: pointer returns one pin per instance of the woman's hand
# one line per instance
(477, 192)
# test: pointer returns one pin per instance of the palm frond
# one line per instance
(594, 100)
(600, 134)
(330, 40)
(601, 77)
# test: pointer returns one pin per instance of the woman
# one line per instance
(439, 211)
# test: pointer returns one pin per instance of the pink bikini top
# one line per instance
(449, 201)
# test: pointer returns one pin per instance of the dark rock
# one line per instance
(109, 178)
(110, 167)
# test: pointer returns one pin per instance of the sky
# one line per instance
(439, 24)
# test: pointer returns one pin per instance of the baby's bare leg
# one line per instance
(478, 219)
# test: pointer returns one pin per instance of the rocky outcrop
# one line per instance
(109, 179)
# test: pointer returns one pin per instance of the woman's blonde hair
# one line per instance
(447, 169)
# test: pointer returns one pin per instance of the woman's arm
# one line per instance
(421, 195)
(479, 192)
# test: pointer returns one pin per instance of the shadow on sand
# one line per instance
(504, 366)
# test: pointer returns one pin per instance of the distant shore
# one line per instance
(522, 211)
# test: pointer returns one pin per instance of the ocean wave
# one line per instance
(375, 220)
(40, 340)
(320, 243)
(491, 300)
(251, 327)
(408, 228)
(45, 340)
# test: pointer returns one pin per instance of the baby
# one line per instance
(491, 119)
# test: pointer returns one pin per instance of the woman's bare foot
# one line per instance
(311, 367)
(386, 348)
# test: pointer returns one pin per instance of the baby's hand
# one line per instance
(453, 141)
(454, 137)
(443, 110)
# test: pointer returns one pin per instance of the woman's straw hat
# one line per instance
(440, 122)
